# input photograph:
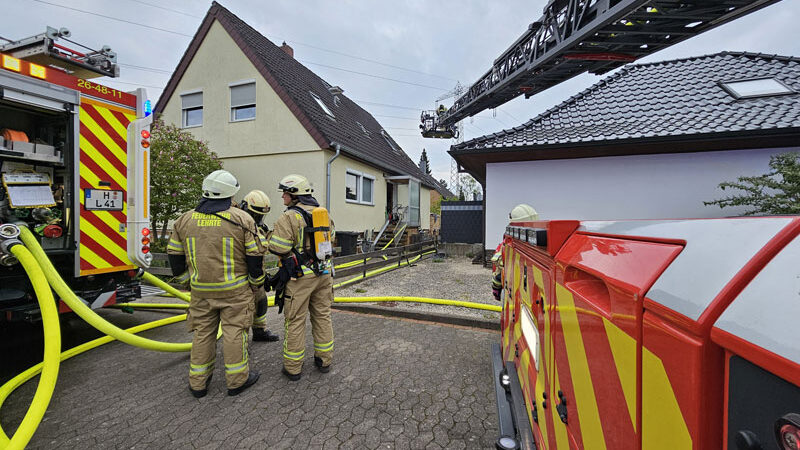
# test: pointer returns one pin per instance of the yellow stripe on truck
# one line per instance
(583, 389)
(663, 426)
(623, 348)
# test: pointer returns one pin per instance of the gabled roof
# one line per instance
(358, 133)
(670, 100)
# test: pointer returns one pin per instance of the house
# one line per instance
(266, 115)
(650, 141)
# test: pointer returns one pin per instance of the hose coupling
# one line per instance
(6, 244)
(9, 231)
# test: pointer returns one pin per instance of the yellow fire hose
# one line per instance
(25, 376)
(432, 301)
(86, 313)
(35, 259)
(155, 281)
(50, 362)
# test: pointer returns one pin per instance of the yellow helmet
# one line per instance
(256, 201)
(295, 185)
(220, 184)
(523, 213)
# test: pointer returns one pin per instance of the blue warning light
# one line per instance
(148, 108)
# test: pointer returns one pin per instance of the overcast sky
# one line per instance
(406, 53)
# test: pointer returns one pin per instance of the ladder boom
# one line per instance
(595, 36)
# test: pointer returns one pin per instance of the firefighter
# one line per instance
(256, 203)
(304, 284)
(213, 248)
(520, 213)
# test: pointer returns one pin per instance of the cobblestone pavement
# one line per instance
(449, 278)
(394, 384)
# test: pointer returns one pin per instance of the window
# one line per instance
(322, 105)
(390, 141)
(363, 129)
(762, 87)
(413, 203)
(351, 186)
(192, 109)
(359, 187)
(243, 101)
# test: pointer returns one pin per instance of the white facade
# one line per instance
(665, 186)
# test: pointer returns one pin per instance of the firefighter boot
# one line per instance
(291, 376)
(320, 367)
(251, 380)
(263, 335)
(202, 392)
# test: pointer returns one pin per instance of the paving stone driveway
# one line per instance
(395, 384)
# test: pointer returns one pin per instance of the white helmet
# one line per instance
(220, 184)
(257, 202)
(523, 213)
(295, 185)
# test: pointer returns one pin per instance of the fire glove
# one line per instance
(278, 282)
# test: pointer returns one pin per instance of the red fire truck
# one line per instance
(74, 165)
(650, 334)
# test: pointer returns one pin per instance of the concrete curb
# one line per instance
(470, 322)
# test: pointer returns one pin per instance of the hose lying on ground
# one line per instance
(155, 281)
(50, 361)
(86, 313)
(25, 376)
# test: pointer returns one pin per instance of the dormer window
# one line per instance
(322, 105)
(759, 87)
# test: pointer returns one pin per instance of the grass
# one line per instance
(360, 291)
(438, 260)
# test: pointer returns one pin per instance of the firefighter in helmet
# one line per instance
(256, 203)
(213, 248)
(304, 284)
(520, 213)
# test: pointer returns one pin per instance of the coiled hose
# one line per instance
(50, 362)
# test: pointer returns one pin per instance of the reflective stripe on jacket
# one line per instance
(216, 250)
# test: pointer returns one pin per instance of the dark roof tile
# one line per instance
(668, 98)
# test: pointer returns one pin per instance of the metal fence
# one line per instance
(359, 263)
(462, 221)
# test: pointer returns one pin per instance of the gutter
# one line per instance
(372, 161)
(328, 175)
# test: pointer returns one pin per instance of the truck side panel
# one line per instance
(600, 282)
(103, 166)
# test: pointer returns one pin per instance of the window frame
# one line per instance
(328, 112)
(185, 111)
(414, 182)
(730, 88)
(360, 177)
(232, 117)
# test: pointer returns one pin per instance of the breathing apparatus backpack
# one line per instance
(318, 229)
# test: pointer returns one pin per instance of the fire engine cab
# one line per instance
(650, 334)
(74, 167)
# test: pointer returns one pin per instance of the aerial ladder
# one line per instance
(577, 36)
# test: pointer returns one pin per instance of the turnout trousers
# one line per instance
(235, 312)
(312, 295)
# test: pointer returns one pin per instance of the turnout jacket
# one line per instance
(289, 232)
(221, 254)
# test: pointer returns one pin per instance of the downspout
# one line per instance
(328, 176)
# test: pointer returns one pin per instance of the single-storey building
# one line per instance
(266, 115)
(650, 141)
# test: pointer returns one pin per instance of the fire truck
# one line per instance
(74, 166)
(650, 334)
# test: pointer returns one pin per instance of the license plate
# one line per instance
(103, 200)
